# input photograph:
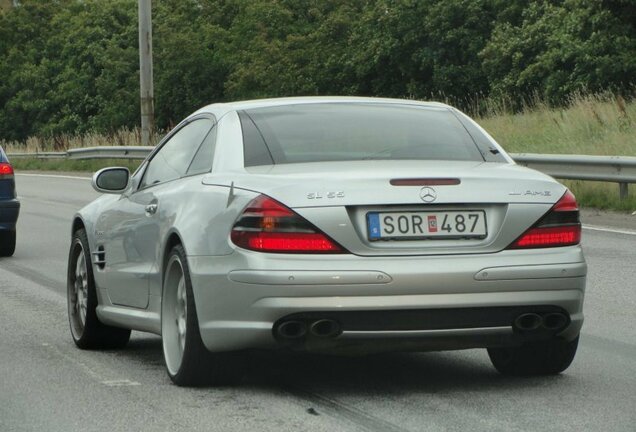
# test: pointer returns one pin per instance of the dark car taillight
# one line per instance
(6, 170)
(559, 227)
(268, 226)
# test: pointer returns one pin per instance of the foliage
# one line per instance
(580, 128)
(561, 48)
(70, 67)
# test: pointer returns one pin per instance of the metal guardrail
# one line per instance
(110, 152)
(100, 152)
(39, 155)
(616, 169)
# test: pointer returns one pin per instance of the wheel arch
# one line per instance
(173, 240)
(78, 223)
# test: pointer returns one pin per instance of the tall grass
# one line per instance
(594, 125)
(602, 124)
(122, 137)
(67, 165)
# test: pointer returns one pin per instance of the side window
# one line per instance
(172, 160)
(202, 161)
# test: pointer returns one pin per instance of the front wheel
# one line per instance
(188, 362)
(536, 358)
(87, 331)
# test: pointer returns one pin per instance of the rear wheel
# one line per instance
(536, 358)
(188, 362)
(87, 331)
(7, 243)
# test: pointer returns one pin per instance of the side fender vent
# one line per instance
(99, 257)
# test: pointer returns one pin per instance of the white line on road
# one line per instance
(120, 383)
(610, 230)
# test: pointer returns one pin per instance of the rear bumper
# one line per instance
(9, 211)
(239, 308)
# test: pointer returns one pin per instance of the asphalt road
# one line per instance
(46, 384)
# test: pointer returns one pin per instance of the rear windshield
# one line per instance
(353, 131)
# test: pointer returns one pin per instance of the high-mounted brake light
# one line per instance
(268, 226)
(559, 227)
(425, 182)
(6, 170)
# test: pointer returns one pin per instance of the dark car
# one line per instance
(9, 207)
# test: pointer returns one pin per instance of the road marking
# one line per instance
(74, 360)
(90, 371)
(605, 344)
(120, 383)
(54, 176)
(610, 230)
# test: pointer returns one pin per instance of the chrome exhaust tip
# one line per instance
(555, 321)
(528, 321)
(325, 328)
(291, 330)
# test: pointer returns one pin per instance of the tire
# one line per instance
(188, 362)
(86, 329)
(537, 358)
(7, 243)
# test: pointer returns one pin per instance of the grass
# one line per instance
(590, 125)
(65, 165)
(602, 124)
(602, 195)
(123, 137)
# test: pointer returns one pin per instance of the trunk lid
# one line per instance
(338, 197)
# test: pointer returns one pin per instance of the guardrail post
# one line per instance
(623, 192)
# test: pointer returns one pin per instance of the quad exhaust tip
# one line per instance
(528, 321)
(325, 328)
(552, 321)
(294, 330)
(291, 330)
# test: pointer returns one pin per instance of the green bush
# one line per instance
(69, 67)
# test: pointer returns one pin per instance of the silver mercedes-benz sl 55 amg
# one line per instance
(331, 224)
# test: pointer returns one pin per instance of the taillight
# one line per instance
(559, 227)
(6, 170)
(268, 226)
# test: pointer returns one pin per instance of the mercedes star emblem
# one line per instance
(428, 194)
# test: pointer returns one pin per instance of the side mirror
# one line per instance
(113, 180)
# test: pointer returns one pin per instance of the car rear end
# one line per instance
(336, 251)
(9, 206)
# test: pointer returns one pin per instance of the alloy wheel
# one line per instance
(174, 313)
(78, 295)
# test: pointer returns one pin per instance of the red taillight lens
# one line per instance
(559, 227)
(567, 203)
(550, 237)
(285, 242)
(6, 170)
(268, 226)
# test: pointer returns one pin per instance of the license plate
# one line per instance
(426, 225)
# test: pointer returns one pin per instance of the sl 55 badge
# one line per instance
(328, 195)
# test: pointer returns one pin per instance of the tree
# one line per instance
(559, 49)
